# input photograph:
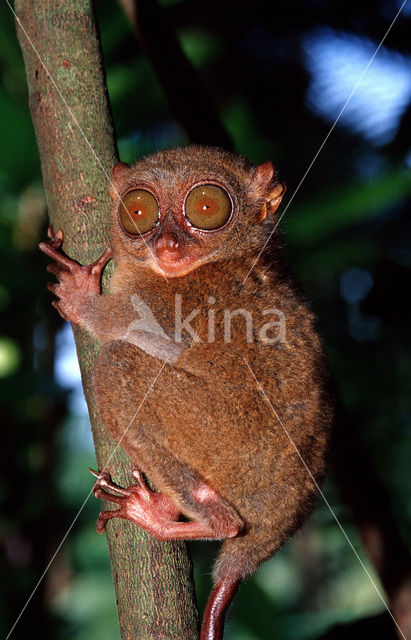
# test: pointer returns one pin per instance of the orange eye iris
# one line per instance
(138, 212)
(208, 207)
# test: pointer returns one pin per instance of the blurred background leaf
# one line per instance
(279, 73)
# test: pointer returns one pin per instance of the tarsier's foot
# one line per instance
(149, 510)
(75, 281)
(157, 514)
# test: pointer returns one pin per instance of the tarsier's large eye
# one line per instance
(139, 211)
(208, 207)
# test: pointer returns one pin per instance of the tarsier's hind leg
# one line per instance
(181, 488)
(156, 513)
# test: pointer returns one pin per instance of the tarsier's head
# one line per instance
(178, 209)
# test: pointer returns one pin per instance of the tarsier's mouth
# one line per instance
(174, 264)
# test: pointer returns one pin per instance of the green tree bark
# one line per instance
(64, 67)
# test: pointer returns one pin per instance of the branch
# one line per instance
(153, 580)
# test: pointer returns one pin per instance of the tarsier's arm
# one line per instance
(110, 317)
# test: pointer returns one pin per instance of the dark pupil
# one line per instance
(207, 206)
(142, 211)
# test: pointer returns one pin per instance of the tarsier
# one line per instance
(231, 430)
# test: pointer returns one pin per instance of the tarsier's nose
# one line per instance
(167, 243)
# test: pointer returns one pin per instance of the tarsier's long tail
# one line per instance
(217, 605)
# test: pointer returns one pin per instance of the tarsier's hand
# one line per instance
(76, 282)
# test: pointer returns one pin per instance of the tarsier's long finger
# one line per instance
(55, 268)
(55, 237)
(137, 475)
(105, 256)
(101, 494)
(49, 250)
(97, 266)
(104, 480)
(52, 286)
(100, 474)
(104, 517)
(119, 491)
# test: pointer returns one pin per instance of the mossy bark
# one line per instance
(153, 581)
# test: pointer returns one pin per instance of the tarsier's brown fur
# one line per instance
(207, 421)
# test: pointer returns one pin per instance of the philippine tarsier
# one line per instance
(234, 432)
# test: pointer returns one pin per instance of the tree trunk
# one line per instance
(153, 581)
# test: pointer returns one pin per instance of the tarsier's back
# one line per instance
(211, 373)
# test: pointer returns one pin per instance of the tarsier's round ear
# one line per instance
(265, 185)
(118, 175)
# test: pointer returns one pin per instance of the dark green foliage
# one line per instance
(344, 227)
